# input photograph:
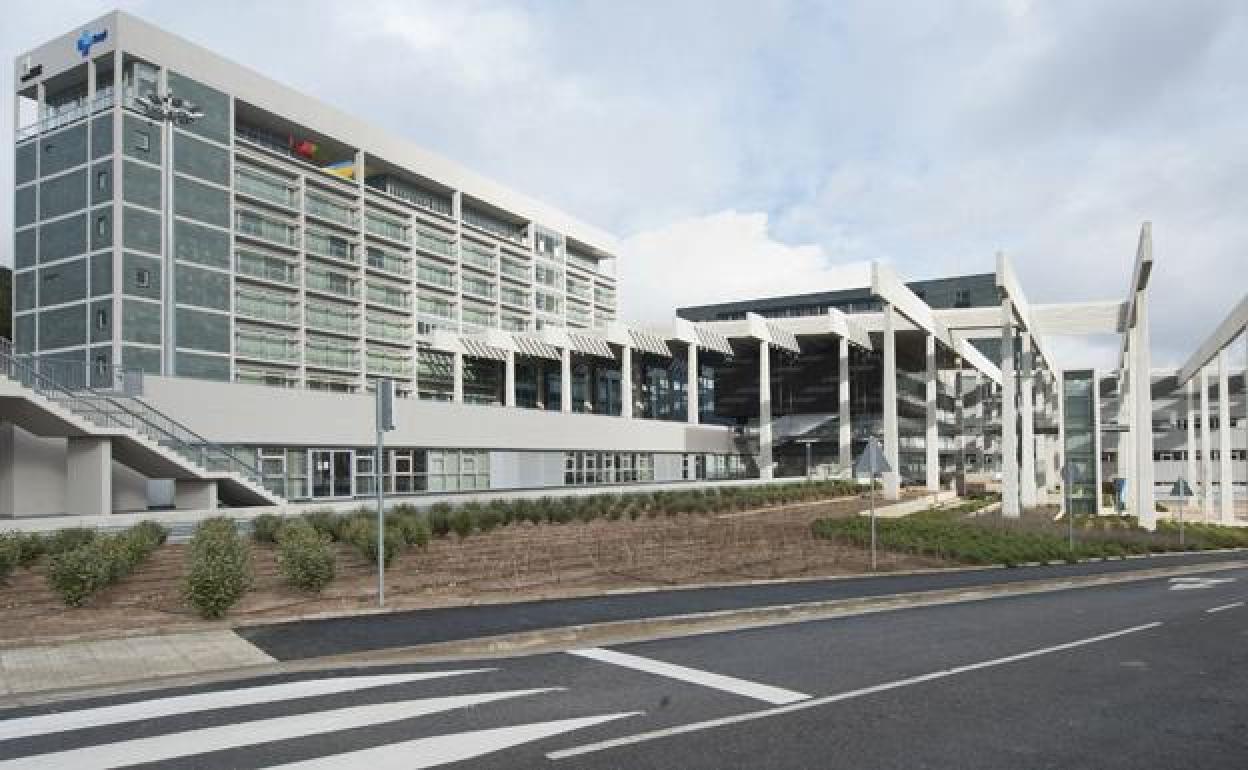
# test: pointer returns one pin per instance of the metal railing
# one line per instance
(120, 411)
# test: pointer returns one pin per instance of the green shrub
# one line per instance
(440, 519)
(463, 520)
(220, 569)
(305, 557)
(70, 538)
(31, 545)
(78, 573)
(10, 552)
(265, 528)
(324, 521)
(361, 534)
(410, 523)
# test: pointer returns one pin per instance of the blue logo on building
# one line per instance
(88, 39)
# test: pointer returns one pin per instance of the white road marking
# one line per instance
(206, 701)
(1196, 583)
(711, 724)
(1230, 606)
(444, 749)
(174, 745)
(766, 693)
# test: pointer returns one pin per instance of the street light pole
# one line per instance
(169, 110)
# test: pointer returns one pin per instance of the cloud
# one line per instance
(719, 257)
(926, 134)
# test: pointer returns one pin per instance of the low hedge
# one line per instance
(10, 552)
(305, 557)
(101, 560)
(994, 540)
(265, 528)
(219, 568)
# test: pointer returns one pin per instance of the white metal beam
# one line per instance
(1223, 336)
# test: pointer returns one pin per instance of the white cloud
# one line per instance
(720, 257)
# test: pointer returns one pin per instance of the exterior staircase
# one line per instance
(47, 399)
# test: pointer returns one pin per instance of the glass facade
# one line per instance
(1080, 440)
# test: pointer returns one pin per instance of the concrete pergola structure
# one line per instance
(1217, 345)
(1029, 380)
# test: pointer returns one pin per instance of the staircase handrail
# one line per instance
(191, 441)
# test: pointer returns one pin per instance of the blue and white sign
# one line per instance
(88, 39)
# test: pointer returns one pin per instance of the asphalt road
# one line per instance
(1149, 674)
(316, 638)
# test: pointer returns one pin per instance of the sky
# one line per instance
(763, 147)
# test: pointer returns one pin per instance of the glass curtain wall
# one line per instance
(1080, 442)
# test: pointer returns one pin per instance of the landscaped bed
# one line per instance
(950, 534)
(449, 556)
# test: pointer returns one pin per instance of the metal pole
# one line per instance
(871, 460)
(381, 506)
(1070, 513)
(808, 468)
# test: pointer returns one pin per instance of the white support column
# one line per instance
(89, 476)
(1206, 450)
(931, 437)
(1027, 407)
(626, 381)
(565, 380)
(1126, 440)
(845, 434)
(1142, 398)
(694, 402)
(509, 379)
(1061, 435)
(981, 415)
(1097, 441)
(892, 479)
(1226, 488)
(457, 378)
(764, 411)
(1009, 425)
(1190, 444)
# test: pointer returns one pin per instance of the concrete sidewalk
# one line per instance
(109, 661)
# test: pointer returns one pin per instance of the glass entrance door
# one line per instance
(331, 472)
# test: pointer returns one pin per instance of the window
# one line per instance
(143, 278)
(142, 141)
(101, 226)
(101, 181)
(101, 362)
(101, 318)
(962, 298)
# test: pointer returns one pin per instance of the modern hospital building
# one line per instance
(212, 271)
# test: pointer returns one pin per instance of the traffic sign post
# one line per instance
(872, 462)
(385, 422)
(1183, 491)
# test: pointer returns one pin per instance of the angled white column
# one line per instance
(565, 380)
(694, 396)
(892, 479)
(1027, 413)
(89, 476)
(845, 433)
(626, 381)
(1142, 398)
(1206, 449)
(764, 410)
(931, 438)
(1009, 425)
(457, 377)
(1190, 444)
(509, 379)
(1226, 489)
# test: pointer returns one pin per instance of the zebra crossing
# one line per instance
(71, 738)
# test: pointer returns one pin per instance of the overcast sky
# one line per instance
(748, 148)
